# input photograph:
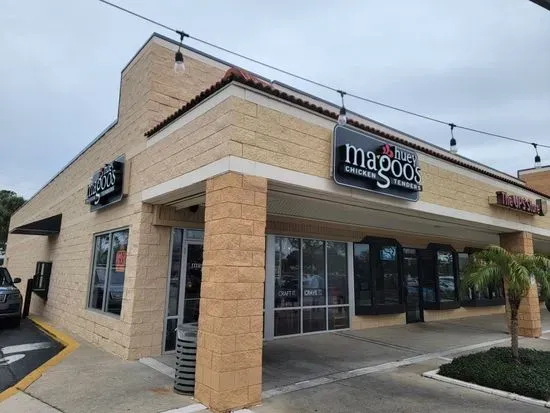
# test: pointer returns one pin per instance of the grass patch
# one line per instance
(496, 368)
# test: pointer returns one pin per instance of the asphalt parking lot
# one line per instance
(22, 350)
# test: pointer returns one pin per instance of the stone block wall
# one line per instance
(229, 354)
(149, 91)
(538, 178)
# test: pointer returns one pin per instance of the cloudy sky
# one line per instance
(484, 64)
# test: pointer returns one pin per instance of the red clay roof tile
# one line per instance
(246, 78)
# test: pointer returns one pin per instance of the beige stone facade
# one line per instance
(242, 164)
(150, 91)
(229, 354)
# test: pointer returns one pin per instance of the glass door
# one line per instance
(411, 278)
(193, 276)
(184, 282)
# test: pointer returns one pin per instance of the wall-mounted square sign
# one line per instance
(366, 162)
(106, 185)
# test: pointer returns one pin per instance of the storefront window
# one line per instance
(463, 258)
(445, 273)
(109, 266)
(387, 277)
(313, 278)
(439, 271)
(377, 277)
(362, 273)
(287, 322)
(310, 286)
(315, 319)
(175, 272)
(287, 272)
(337, 270)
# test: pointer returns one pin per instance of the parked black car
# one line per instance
(10, 298)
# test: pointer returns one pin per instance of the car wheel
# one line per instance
(16, 322)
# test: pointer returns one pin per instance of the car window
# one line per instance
(5, 279)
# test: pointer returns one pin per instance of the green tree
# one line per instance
(495, 266)
(9, 203)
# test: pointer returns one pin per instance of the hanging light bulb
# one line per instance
(537, 156)
(453, 147)
(342, 117)
(179, 66)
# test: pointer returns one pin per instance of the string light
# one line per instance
(343, 112)
(537, 156)
(342, 117)
(179, 66)
(453, 146)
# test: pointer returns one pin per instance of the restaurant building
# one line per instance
(221, 197)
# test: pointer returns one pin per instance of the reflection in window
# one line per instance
(109, 266)
(362, 274)
(99, 272)
(287, 272)
(338, 317)
(313, 273)
(445, 272)
(427, 279)
(315, 319)
(175, 272)
(387, 277)
(119, 248)
(287, 322)
(337, 270)
(463, 259)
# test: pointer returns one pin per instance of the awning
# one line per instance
(46, 226)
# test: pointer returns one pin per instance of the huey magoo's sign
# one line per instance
(365, 162)
(105, 187)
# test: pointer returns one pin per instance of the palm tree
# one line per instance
(495, 266)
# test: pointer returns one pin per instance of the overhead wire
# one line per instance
(322, 85)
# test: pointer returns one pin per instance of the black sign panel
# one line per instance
(366, 162)
(105, 187)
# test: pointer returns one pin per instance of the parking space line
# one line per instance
(22, 348)
(197, 407)
(158, 366)
(70, 346)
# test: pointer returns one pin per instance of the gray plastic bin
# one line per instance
(186, 358)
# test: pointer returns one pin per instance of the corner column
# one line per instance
(529, 311)
(230, 338)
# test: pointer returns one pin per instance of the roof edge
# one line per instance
(238, 76)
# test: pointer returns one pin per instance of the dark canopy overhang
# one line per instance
(46, 226)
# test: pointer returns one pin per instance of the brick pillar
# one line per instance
(529, 310)
(229, 354)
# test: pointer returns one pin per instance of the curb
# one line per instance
(69, 344)
(433, 374)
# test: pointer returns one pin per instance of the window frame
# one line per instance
(93, 267)
(269, 301)
(479, 302)
(375, 243)
(434, 248)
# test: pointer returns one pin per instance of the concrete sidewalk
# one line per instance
(91, 380)
(352, 371)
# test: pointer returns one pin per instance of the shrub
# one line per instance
(497, 369)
